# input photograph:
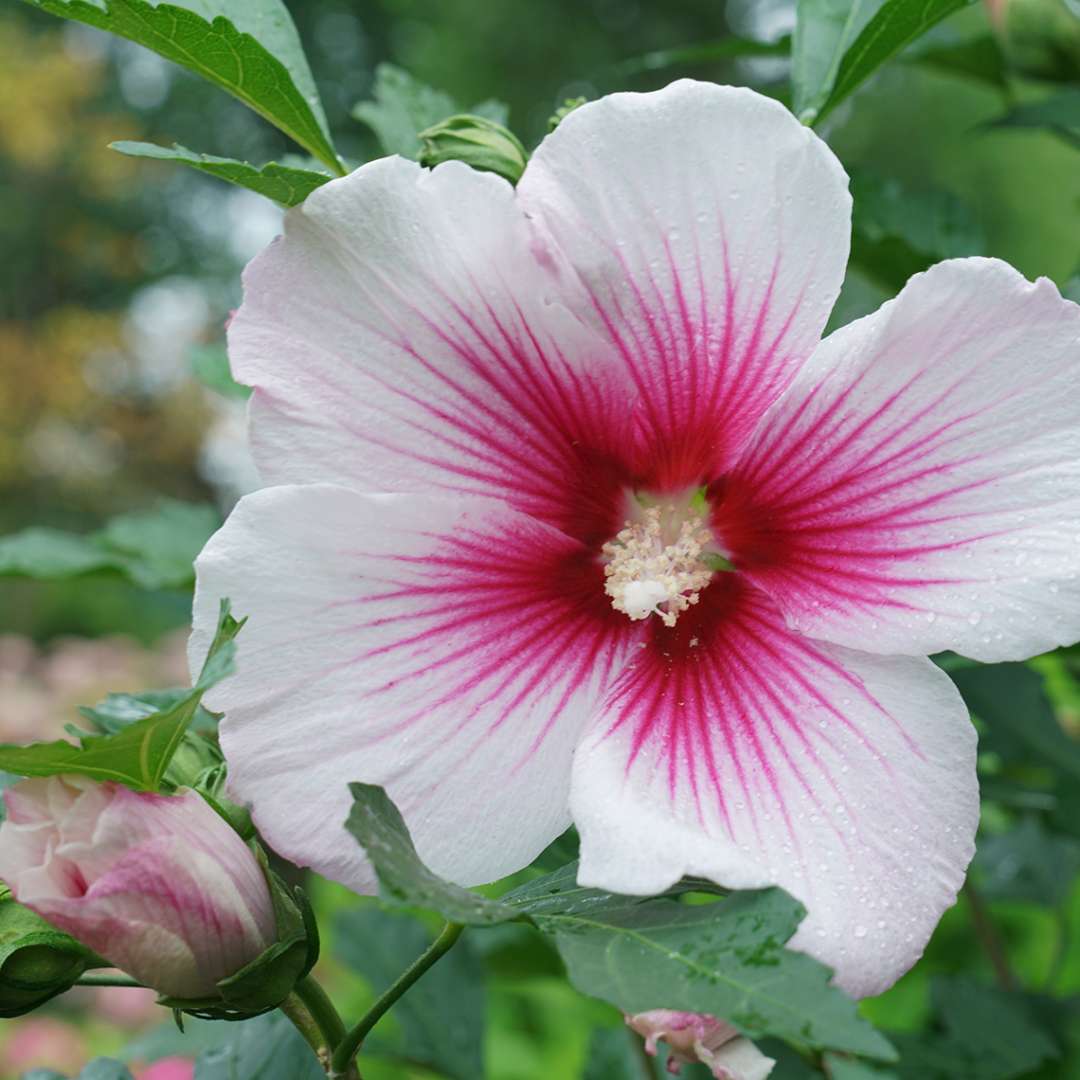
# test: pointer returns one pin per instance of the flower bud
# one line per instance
(37, 962)
(695, 1037)
(478, 142)
(158, 885)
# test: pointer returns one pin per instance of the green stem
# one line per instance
(322, 1011)
(108, 980)
(297, 1012)
(348, 1048)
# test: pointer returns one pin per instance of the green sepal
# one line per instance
(479, 142)
(265, 982)
(210, 784)
(37, 961)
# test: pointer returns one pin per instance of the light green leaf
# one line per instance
(249, 48)
(824, 30)
(139, 754)
(210, 365)
(404, 106)
(895, 25)
(442, 1016)
(725, 959)
(403, 879)
(153, 548)
(838, 1067)
(282, 183)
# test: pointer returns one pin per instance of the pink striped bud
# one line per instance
(158, 885)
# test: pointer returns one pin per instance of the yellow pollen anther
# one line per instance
(647, 577)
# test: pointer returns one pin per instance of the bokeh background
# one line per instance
(117, 276)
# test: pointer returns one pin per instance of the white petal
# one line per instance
(738, 1059)
(710, 231)
(405, 335)
(918, 487)
(739, 751)
(446, 648)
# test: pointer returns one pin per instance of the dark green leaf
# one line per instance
(613, 1056)
(559, 852)
(210, 365)
(282, 183)
(442, 1016)
(895, 25)
(898, 232)
(1027, 863)
(153, 548)
(378, 826)
(1011, 702)
(838, 1067)
(404, 106)
(986, 1034)
(139, 754)
(266, 1048)
(1059, 113)
(978, 58)
(701, 53)
(824, 30)
(726, 959)
(249, 48)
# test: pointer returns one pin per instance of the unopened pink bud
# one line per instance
(158, 885)
(695, 1037)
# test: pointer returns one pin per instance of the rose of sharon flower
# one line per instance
(695, 1037)
(574, 519)
(157, 885)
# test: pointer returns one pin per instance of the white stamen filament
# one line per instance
(647, 577)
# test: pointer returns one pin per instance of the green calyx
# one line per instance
(265, 982)
(477, 141)
(37, 962)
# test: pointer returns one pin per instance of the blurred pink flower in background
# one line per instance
(173, 1068)
(41, 1042)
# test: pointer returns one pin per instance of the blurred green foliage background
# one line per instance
(117, 277)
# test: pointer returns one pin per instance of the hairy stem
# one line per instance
(322, 1011)
(300, 1016)
(349, 1046)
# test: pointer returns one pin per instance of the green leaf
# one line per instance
(442, 1016)
(266, 1048)
(898, 232)
(986, 1034)
(139, 754)
(403, 879)
(838, 1067)
(249, 48)
(105, 1069)
(705, 52)
(977, 58)
(726, 959)
(613, 1056)
(284, 184)
(1059, 114)
(895, 25)
(1011, 702)
(404, 106)
(824, 30)
(1027, 863)
(210, 365)
(153, 548)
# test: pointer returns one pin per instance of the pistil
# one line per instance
(646, 576)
